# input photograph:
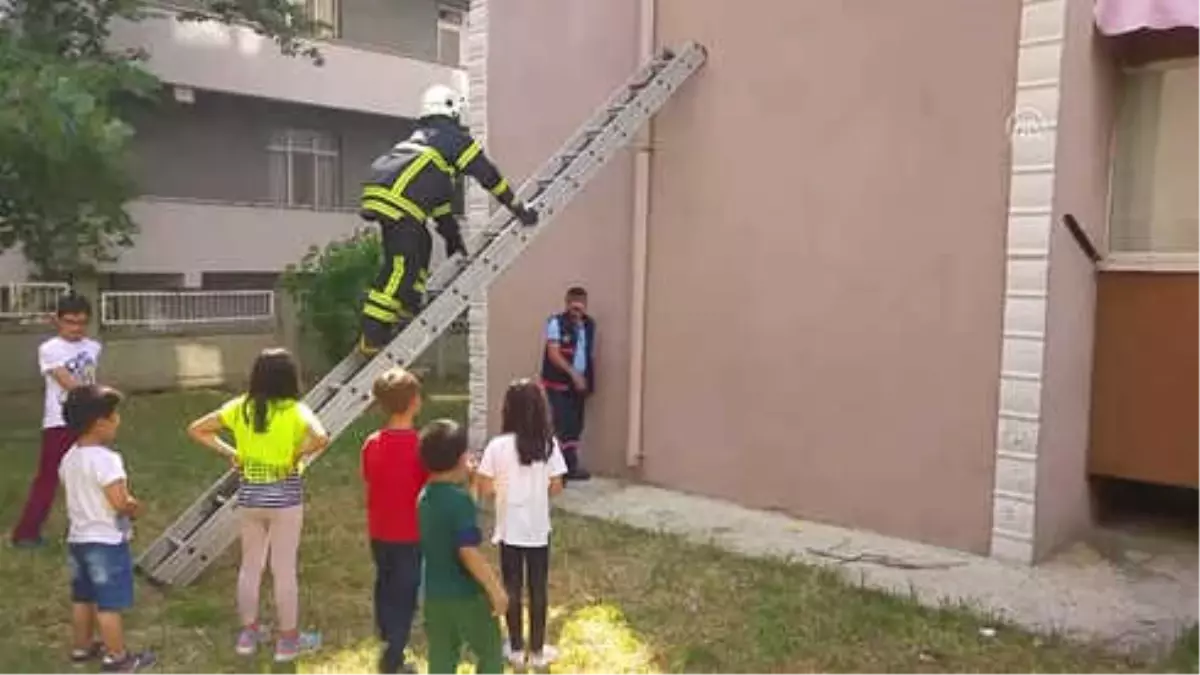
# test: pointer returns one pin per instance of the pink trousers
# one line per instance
(272, 534)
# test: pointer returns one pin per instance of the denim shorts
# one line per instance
(102, 574)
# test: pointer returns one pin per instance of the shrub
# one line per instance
(328, 286)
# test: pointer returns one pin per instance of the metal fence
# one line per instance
(30, 300)
(162, 310)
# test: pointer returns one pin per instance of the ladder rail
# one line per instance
(503, 250)
(328, 386)
(207, 528)
(502, 221)
(449, 269)
(189, 521)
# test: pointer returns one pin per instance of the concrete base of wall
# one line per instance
(149, 362)
(143, 362)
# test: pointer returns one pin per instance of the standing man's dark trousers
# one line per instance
(566, 407)
(399, 289)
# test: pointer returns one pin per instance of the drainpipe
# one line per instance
(641, 221)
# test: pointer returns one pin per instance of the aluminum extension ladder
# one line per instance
(207, 528)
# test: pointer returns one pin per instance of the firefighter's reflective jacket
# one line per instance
(416, 178)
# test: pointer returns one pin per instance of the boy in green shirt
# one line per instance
(463, 598)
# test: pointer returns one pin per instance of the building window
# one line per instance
(1154, 176)
(238, 281)
(322, 11)
(304, 169)
(449, 35)
(142, 281)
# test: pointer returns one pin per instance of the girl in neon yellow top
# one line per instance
(275, 436)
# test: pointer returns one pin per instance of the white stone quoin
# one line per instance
(478, 210)
(1033, 134)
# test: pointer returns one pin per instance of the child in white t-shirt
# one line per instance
(523, 468)
(66, 361)
(99, 508)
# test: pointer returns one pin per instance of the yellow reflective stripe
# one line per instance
(441, 163)
(393, 282)
(434, 156)
(376, 192)
(414, 167)
(422, 278)
(383, 300)
(438, 211)
(467, 155)
(372, 204)
(380, 314)
(500, 187)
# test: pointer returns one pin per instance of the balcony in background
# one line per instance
(233, 59)
(190, 237)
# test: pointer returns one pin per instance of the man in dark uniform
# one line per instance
(412, 183)
(569, 375)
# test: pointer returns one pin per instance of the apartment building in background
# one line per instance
(251, 156)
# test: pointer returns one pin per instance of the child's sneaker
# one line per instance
(287, 649)
(515, 658)
(82, 656)
(247, 641)
(544, 658)
(131, 663)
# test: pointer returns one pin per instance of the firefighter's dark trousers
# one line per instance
(399, 289)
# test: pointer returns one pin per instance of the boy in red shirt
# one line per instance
(394, 476)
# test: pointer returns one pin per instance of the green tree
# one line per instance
(65, 98)
(327, 285)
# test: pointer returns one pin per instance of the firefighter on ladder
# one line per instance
(412, 183)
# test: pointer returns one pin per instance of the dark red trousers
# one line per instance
(55, 443)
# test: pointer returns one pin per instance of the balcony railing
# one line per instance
(165, 310)
(30, 301)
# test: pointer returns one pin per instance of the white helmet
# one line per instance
(442, 100)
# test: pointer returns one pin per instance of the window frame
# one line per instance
(335, 20)
(289, 149)
(1142, 261)
(458, 28)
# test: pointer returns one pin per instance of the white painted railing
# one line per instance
(166, 309)
(30, 299)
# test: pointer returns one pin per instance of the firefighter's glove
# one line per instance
(526, 215)
(454, 244)
(452, 235)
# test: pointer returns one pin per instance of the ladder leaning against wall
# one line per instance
(208, 527)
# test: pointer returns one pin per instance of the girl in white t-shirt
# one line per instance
(523, 468)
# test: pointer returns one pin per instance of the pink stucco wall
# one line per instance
(550, 63)
(1087, 108)
(827, 242)
(826, 248)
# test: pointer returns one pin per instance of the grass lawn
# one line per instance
(622, 600)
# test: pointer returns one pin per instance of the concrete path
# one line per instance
(1132, 594)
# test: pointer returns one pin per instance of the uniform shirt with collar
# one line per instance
(554, 334)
